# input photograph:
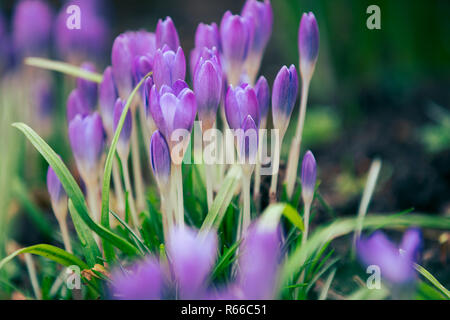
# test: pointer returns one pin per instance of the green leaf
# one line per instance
(63, 67)
(50, 252)
(223, 199)
(73, 190)
(88, 244)
(140, 243)
(424, 272)
(109, 253)
(225, 260)
(294, 217)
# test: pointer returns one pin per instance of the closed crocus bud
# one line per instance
(309, 172)
(308, 44)
(262, 14)
(208, 89)
(207, 35)
(57, 193)
(76, 106)
(166, 34)
(86, 137)
(107, 99)
(263, 94)
(168, 66)
(284, 94)
(123, 145)
(160, 160)
(235, 37)
(396, 263)
(241, 102)
(32, 23)
(248, 141)
(88, 89)
(192, 257)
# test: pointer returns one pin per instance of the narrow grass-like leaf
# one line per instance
(143, 248)
(324, 292)
(73, 190)
(88, 244)
(63, 67)
(109, 253)
(424, 272)
(292, 215)
(225, 260)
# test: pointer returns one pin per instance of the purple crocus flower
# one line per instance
(396, 263)
(107, 96)
(144, 281)
(55, 189)
(123, 145)
(126, 47)
(309, 171)
(166, 34)
(235, 36)
(168, 66)
(241, 102)
(160, 159)
(308, 44)
(208, 89)
(263, 94)
(284, 95)
(87, 137)
(32, 23)
(248, 141)
(88, 90)
(207, 35)
(43, 96)
(206, 54)
(76, 106)
(86, 42)
(172, 110)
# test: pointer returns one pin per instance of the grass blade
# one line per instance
(424, 272)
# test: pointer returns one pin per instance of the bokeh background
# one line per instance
(375, 93)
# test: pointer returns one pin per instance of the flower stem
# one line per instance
(306, 222)
(133, 211)
(179, 188)
(291, 173)
(137, 172)
(257, 182)
(64, 233)
(209, 185)
(92, 198)
(33, 278)
(118, 188)
(246, 192)
(276, 167)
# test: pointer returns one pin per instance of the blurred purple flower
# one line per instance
(309, 172)
(55, 188)
(166, 34)
(123, 145)
(107, 99)
(43, 96)
(396, 263)
(88, 90)
(160, 159)
(87, 137)
(168, 66)
(32, 23)
(308, 44)
(263, 94)
(76, 106)
(262, 15)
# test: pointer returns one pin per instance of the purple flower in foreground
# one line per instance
(284, 95)
(32, 23)
(396, 263)
(263, 94)
(309, 171)
(86, 137)
(88, 89)
(76, 105)
(123, 145)
(308, 44)
(166, 34)
(168, 66)
(160, 159)
(107, 96)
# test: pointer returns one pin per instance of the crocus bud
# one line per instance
(192, 258)
(206, 54)
(76, 105)
(241, 102)
(160, 160)
(32, 23)
(86, 137)
(123, 145)
(284, 94)
(263, 94)
(396, 264)
(309, 171)
(248, 142)
(57, 193)
(208, 89)
(308, 44)
(207, 35)
(262, 21)
(168, 66)
(235, 36)
(166, 34)
(107, 99)
(88, 89)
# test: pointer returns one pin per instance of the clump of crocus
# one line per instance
(190, 258)
(284, 95)
(58, 198)
(262, 17)
(243, 116)
(235, 36)
(87, 138)
(32, 27)
(308, 46)
(166, 34)
(396, 263)
(309, 173)
(168, 66)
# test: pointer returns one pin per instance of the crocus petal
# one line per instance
(54, 187)
(75, 106)
(207, 35)
(123, 145)
(309, 170)
(168, 67)
(263, 94)
(88, 89)
(107, 100)
(263, 19)
(160, 159)
(166, 34)
(308, 43)
(248, 141)
(121, 59)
